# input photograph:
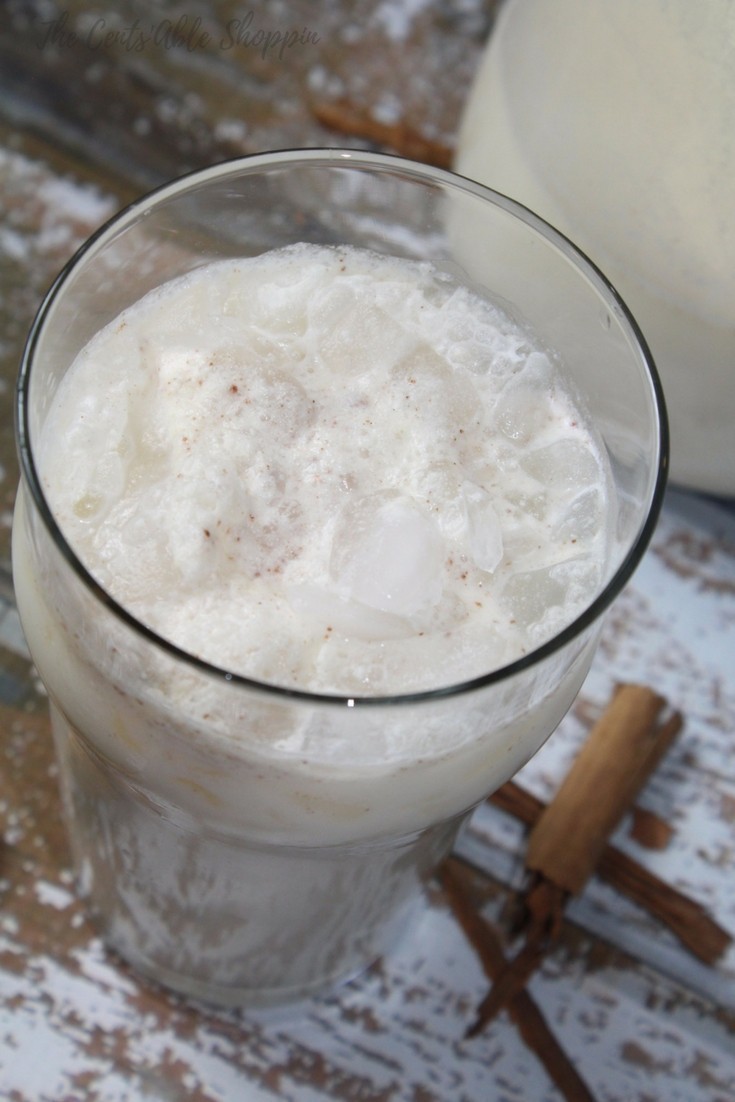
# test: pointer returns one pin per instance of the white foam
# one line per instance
(297, 464)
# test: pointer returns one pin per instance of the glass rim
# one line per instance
(335, 157)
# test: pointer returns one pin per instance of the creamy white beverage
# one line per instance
(329, 470)
(326, 471)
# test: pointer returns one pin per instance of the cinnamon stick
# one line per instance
(569, 837)
(623, 748)
(650, 830)
(686, 919)
(343, 117)
(522, 1009)
(543, 910)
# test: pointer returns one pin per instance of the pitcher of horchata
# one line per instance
(615, 121)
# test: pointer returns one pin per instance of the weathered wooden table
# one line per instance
(97, 104)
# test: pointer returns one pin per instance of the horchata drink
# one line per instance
(615, 122)
(330, 470)
(310, 556)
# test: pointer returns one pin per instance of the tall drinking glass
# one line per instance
(271, 843)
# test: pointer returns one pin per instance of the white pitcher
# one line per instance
(615, 121)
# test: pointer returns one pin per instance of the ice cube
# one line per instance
(582, 518)
(352, 334)
(529, 595)
(434, 389)
(439, 487)
(277, 307)
(484, 534)
(527, 504)
(439, 482)
(537, 597)
(330, 611)
(520, 413)
(564, 466)
(580, 577)
(522, 409)
(95, 488)
(388, 554)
